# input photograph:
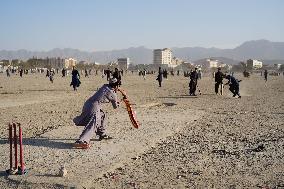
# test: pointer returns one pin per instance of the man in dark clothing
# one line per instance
(8, 72)
(116, 74)
(51, 75)
(47, 73)
(193, 82)
(160, 77)
(265, 75)
(75, 79)
(63, 72)
(234, 85)
(218, 79)
(165, 74)
(86, 73)
(107, 73)
(21, 72)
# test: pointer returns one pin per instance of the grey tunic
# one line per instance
(92, 116)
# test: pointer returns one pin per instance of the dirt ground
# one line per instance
(208, 141)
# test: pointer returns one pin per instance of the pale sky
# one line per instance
(95, 25)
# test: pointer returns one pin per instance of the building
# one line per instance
(162, 56)
(69, 62)
(52, 62)
(277, 66)
(123, 63)
(55, 62)
(212, 63)
(83, 62)
(5, 62)
(254, 64)
(177, 61)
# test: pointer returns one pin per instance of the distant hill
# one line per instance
(258, 49)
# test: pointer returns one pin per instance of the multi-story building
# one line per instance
(123, 63)
(70, 62)
(254, 64)
(177, 61)
(55, 62)
(162, 56)
(277, 66)
(211, 63)
(52, 62)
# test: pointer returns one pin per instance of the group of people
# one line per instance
(233, 83)
(76, 77)
(195, 75)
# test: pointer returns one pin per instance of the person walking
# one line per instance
(75, 79)
(51, 75)
(86, 73)
(8, 72)
(21, 72)
(265, 75)
(160, 77)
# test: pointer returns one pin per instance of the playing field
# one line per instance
(207, 141)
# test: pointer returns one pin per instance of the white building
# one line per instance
(70, 62)
(123, 63)
(162, 56)
(211, 63)
(254, 64)
(277, 66)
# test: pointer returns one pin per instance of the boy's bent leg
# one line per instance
(88, 130)
(101, 128)
(231, 88)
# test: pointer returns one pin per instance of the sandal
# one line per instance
(105, 137)
(81, 145)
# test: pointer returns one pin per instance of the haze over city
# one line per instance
(111, 24)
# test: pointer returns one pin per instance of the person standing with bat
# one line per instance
(219, 81)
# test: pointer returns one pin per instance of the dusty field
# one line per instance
(207, 141)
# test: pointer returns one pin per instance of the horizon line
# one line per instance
(143, 46)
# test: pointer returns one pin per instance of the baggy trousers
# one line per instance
(217, 84)
(235, 89)
(192, 87)
(96, 124)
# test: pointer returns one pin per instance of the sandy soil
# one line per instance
(207, 141)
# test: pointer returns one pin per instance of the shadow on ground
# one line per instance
(44, 142)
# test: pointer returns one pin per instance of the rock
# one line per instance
(63, 171)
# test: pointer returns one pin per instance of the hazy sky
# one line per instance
(96, 25)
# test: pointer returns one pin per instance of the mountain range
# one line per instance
(257, 49)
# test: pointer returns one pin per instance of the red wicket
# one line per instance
(15, 139)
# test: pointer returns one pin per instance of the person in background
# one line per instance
(265, 75)
(160, 77)
(234, 85)
(75, 79)
(193, 82)
(116, 74)
(218, 80)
